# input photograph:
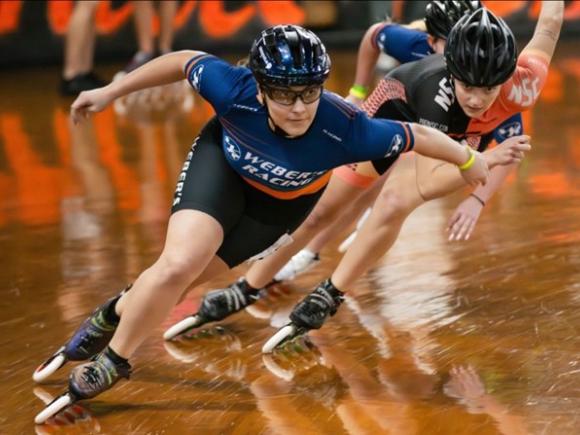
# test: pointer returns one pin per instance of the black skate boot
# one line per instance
(88, 340)
(310, 313)
(217, 305)
(89, 380)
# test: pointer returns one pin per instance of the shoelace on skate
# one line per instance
(325, 300)
(93, 375)
(96, 329)
(237, 299)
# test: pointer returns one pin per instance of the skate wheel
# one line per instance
(282, 335)
(183, 326)
(50, 366)
(53, 408)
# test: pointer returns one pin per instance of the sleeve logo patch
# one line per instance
(196, 77)
(526, 93)
(396, 145)
(445, 95)
(510, 130)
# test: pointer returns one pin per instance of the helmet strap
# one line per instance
(277, 129)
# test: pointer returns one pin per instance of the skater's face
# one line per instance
(475, 100)
(437, 44)
(292, 109)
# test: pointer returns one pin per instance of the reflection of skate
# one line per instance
(234, 366)
(270, 298)
(75, 414)
(296, 357)
(373, 323)
(276, 369)
(227, 340)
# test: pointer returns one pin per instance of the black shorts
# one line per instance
(251, 220)
(384, 164)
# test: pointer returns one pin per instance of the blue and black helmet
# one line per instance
(289, 55)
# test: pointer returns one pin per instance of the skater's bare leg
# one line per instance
(409, 186)
(157, 290)
(215, 268)
(328, 208)
(351, 214)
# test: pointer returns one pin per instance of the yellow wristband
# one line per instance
(469, 163)
(358, 91)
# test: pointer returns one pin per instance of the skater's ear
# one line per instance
(260, 95)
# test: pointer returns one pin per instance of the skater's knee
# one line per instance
(392, 205)
(429, 190)
(174, 269)
(435, 184)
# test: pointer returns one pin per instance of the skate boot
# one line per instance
(88, 340)
(87, 381)
(310, 313)
(217, 305)
(299, 264)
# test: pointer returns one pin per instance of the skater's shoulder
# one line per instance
(421, 73)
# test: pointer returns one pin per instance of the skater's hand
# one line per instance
(478, 172)
(463, 220)
(90, 102)
(511, 150)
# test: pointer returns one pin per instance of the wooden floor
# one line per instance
(480, 337)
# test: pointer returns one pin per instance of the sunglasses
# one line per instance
(286, 97)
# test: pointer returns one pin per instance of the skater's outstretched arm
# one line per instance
(435, 144)
(547, 30)
(160, 71)
(368, 54)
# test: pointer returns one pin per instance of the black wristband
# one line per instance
(481, 201)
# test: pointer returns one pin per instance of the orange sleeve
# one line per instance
(522, 90)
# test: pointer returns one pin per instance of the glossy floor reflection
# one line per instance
(441, 338)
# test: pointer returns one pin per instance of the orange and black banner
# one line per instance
(32, 31)
(521, 15)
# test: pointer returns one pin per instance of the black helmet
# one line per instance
(481, 50)
(289, 55)
(441, 16)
